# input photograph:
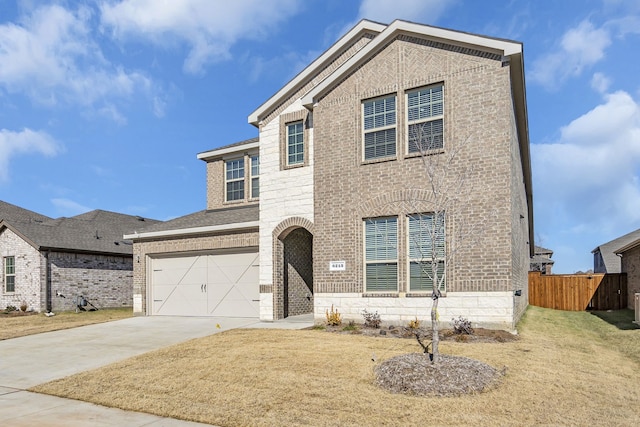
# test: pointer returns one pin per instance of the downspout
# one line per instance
(47, 279)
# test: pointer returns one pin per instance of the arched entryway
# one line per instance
(293, 268)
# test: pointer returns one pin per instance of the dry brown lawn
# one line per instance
(568, 368)
(18, 325)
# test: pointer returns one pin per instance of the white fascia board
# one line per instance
(228, 150)
(504, 47)
(362, 26)
(193, 230)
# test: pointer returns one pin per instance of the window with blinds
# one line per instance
(234, 179)
(9, 274)
(381, 254)
(255, 177)
(425, 119)
(379, 125)
(295, 143)
(426, 247)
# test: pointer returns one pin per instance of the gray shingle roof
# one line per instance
(96, 232)
(206, 218)
(235, 144)
(607, 250)
(13, 212)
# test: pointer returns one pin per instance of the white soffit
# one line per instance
(228, 150)
(502, 47)
(193, 230)
(362, 27)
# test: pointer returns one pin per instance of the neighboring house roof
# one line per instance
(608, 251)
(539, 250)
(13, 212)
(541, 259)
(231, 218)
(247, 144)
(93, 232)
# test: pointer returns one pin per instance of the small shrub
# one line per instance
(318, 327)
(351, 326)
(10, 308)
(414, 324)
(462, 326)
(333, 317)
(23, 306)
(371, 320)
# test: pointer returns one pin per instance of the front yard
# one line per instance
(16, 324)
(567, 368)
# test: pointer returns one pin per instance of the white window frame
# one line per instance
(233, 180)
(392, 260)
(430, 116)
(383, 127)
(254, 174)
(417, 257)
(7, 274)
(299, 155)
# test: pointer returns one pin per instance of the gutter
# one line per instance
(193, 230)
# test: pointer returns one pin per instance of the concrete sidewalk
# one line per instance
(36, 359)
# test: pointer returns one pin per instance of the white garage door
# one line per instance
(206, 285)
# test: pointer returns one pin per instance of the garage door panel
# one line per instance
(215, 285)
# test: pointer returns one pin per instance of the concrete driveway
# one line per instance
(36, 359)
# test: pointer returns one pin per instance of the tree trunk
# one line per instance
(435, 338)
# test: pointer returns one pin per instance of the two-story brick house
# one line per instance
(300, 208)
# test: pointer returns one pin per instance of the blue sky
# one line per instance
(104, 104)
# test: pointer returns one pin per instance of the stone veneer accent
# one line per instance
(144, 249)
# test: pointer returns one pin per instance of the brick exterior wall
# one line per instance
(143, 250)
(478, 106)
(631, 266)
(104, 280)
(216, 183)
(298, 277)
(29, 268)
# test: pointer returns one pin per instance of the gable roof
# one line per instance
(207, 221)
(608, 250)
(13, 212)
(361, 28)
(97, 231)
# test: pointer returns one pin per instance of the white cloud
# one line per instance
(600, 83)
(385, 11)
(209, 28)
(23, 142)
(51, 55)
(589, 178)
(579, 48)
(68, 208)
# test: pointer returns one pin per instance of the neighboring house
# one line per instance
(605, 259)
(630, 264)
(47, 263)
(541, 260)
(289, 218)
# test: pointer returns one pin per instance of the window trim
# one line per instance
(439, 258)
(252, 176)
(287, 155)
(408, 122)
(227, 181)
(364, 132)
(7, 275)
(366, 262)
(288, 118)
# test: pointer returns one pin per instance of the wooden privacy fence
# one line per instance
(578, 292)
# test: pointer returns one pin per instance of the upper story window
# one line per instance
(379, 127)
(9, 274)
(381, 254)
(234, 179)
(425, 114)
(426, 250)
(295, 143)
(255, 176)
